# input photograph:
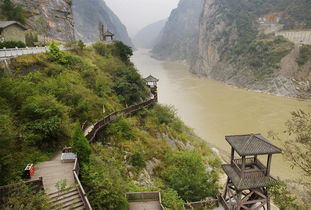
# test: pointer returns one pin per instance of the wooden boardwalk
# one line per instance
(145, 205)
(53, 171)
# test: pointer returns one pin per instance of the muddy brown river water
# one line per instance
(214, 109)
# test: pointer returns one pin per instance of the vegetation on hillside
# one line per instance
(10, 11)
(45, 97)
(304, 55)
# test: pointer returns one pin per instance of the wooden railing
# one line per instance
(145, 196)
(110, 118)
(76, 171)
(198, 204)
(35, 185)
(237, 163)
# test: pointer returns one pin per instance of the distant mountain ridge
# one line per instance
(87, 16)
(148, 36)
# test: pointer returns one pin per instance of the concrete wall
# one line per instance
(14, 33)
(297, 37)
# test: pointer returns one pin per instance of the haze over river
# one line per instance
(214, 109)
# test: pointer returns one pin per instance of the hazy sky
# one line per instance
(135, 14)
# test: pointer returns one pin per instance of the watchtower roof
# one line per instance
(252, 144)
(150, 78)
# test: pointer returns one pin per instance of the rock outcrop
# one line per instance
(87, 16)
(178, 40)
(50, 18)
(148, 36)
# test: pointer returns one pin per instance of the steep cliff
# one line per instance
(148, 36)
(178, 40)
(87, 16)
(50, 18)
(236, 44)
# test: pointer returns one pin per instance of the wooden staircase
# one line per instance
(69, 199)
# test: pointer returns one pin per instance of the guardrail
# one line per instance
(76, 171)
(7, 190)
(198, 204)
(14, 52)
(110, 118)
(145, 196)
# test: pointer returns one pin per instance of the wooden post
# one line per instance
(232, 155)
(268, 164)
(243, 167)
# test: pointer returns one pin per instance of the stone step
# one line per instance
(56, 195)
(70, 199)
(75, 205)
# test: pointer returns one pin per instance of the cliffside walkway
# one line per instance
(14, 52)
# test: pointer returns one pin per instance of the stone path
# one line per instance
(53, 171)
(145, 205)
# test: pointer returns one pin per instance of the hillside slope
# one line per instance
(236, 45)
(50, 18)
(148, 36)
(178, 40)
(87, 16)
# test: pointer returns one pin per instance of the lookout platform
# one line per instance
(53, 171)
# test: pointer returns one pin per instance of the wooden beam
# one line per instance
(243, 167)
(269, 164)
(232, 155)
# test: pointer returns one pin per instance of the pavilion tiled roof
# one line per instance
(252, 144)
(151, 79)
(108, 33)
(4, 24)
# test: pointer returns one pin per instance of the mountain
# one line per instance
(238, 45)
(178, 39)
(87, 16)
(50, 18)
(147, 37)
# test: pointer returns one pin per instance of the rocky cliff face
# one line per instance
(50, 18)
(178, 39)
(87, 16)
(231, 47)
(148, 36)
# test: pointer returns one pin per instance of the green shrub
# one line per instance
(137, 160)
(55, 54)
(171, 200)
(186, 173)
(123, 51)
(31, 38)
(12, 44)
(304, 55)
(12, 12)
(282, 197)
(24, 197)
(120, 130)
(80, 145)
(103, 181)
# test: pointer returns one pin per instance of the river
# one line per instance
(214, 109)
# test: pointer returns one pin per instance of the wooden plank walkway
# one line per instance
(53, 171)
(145, 205)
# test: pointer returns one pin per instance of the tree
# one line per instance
(123, 51)
(81, 45)
(80, 144)
(55, 54)
(186, 173)
(298, 150)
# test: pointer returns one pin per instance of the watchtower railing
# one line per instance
(76, 171)
(110, 118)
(257, 172)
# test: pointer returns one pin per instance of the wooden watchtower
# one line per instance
(151, 82)
(248, 178)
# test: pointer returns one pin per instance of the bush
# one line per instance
(282, 197)
(103, 181)
(304, 55)
(186, 173)
(80, 145)
(55, 54)
(12, 44)
(171, 200)
(120, 130)
(137, 160)
(24, 197)
(123, 51)
(31, 38)
(12, 12)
